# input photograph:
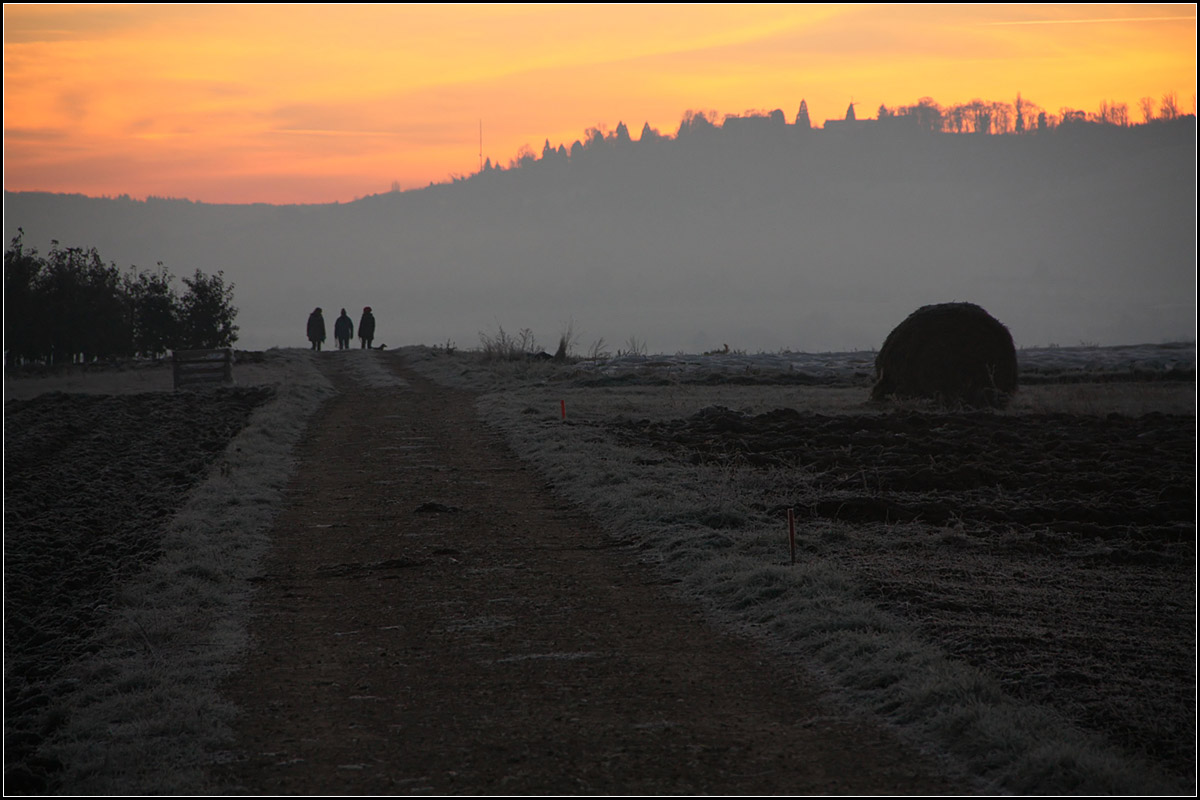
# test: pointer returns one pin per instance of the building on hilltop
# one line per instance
(849, 123)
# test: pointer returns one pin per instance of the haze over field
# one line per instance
(761, 236)
(1047, 201)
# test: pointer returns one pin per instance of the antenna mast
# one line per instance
(481, 145)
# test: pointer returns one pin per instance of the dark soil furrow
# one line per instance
(1055, 551)
(87, 481)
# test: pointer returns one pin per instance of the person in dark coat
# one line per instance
(316, 329)
(343, 331)
(366, 328)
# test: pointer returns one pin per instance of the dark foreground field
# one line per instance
(1053, 552)
(1057, 551)
(88, 482)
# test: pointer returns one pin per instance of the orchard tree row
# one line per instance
(69, 307)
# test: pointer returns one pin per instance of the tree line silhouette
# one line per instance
(1023, 116)
(70, 307)
(975, 117)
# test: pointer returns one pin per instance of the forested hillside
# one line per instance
(757, 234)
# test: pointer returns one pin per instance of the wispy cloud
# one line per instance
(415, 80)
(1092, 20)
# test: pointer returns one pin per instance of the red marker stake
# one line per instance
(792, 533)
(563, 404)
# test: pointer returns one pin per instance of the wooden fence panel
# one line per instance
(195, 369)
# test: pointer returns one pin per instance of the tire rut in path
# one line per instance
(432, 621)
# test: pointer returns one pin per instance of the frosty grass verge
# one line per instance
(739, 570)
(145, 715)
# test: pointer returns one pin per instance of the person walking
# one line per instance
(343, 331)
(316, 329)
(366, 328)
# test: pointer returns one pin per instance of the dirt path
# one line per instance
(433, 621)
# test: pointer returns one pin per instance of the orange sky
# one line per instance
(313, 104)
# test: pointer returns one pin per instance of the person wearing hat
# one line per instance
(366, 328)
(316, 329)
(343, 331)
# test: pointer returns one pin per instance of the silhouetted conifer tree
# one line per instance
(696, 122)
(802, 120)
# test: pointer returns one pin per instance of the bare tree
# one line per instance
(928, 115)
(1002, 118)
(1169, 109)
(955, 119)
(1068, 115)
(1028, 116)
(1146, 104)
(525, 156)
(1113, 114)
(978, 116)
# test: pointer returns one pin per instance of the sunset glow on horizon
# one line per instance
(317, 104)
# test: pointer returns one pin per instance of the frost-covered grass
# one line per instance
(704, 525)
(143, 714)
(133, 377)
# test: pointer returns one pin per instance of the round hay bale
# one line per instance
(955, 353)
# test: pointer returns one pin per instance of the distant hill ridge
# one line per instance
(730, 234)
